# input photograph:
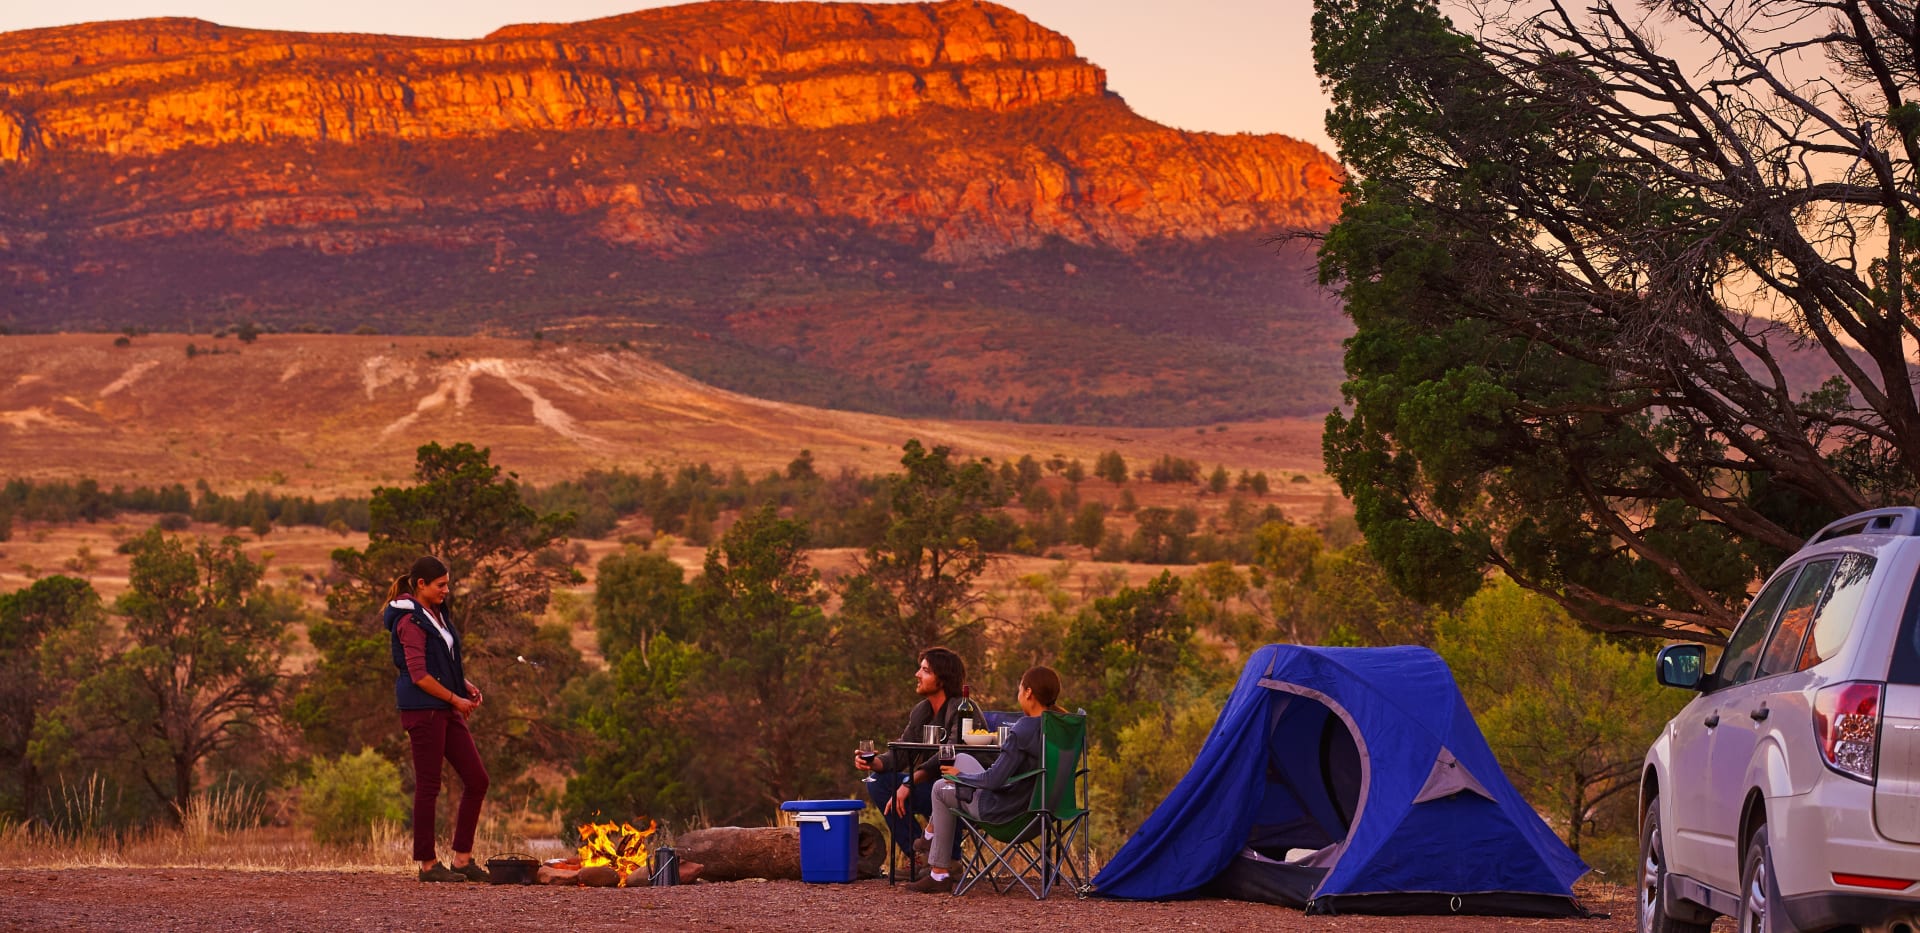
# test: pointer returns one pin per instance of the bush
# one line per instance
(351, 794)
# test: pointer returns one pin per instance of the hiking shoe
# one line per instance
(909, 868)
(472, 872)
(439, 872)
(929, 885)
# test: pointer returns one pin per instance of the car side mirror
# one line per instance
(1681, 666)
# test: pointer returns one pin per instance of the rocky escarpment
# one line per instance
(693, 168)
(146, 87)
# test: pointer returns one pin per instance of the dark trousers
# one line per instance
(920, 801)
(441, 735)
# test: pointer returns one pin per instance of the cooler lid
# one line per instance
(823, 806)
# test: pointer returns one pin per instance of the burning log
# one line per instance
(617, 847)
(731, 853)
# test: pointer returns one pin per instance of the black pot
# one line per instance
(513, 868)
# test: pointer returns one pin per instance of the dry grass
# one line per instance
(221, 829)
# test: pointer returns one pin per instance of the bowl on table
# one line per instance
(979, 738)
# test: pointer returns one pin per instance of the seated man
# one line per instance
(900, 796)
(990, 796)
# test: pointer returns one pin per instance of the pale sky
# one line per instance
(1222, 66)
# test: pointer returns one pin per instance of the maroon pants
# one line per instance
(441, 735)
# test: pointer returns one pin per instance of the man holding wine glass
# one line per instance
(901, 796)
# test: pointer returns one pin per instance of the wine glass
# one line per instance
(946, 753)
(866, 755)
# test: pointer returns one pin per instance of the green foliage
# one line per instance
(349, 796)
(1148, 758)
(773, 687)
(36, 623)
(199, 675)
(1111, 467)
(637, 597)
(915, 589)
(640, 757)
(1133, 649)
(1569, 712)
(84, 500)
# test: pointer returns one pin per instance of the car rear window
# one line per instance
(1783, 649)
(1833, 621)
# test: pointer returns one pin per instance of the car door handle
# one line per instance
(1711, 721)
(1759, 714)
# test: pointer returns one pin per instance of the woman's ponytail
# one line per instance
(398, 586)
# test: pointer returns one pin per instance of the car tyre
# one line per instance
(1653, 913)
(1759, 893)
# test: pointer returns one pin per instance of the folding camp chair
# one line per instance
(1033, 849)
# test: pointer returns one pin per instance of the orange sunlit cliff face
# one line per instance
(764, 174)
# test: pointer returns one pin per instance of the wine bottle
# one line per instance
(969, 713)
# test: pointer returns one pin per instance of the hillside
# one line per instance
(327, 415)
(918, 209)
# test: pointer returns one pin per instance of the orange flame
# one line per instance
(618, 845)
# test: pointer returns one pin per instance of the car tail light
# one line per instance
(1846, 721)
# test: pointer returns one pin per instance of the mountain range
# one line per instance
(932, 209)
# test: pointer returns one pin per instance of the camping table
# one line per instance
(907, 756)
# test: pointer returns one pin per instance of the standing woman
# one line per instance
(435, 698)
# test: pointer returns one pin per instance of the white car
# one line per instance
(1787, 794)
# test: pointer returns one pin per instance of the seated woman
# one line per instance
(993, 795)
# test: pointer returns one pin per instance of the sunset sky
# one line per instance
(1223, 66)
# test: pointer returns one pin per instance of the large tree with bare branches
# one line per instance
(1631, 289)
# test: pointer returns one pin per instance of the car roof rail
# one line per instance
(1900, 520)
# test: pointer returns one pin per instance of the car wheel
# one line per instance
(1759, 893)
(1654, 917)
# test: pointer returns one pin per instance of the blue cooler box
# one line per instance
(829, 839)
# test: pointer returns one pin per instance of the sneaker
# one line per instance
(929, 885)
(473, 872)
(439, 872)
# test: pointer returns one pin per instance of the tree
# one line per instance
(637, 596)
(1284, 559)
(462, 510)
(916, 587)
(638, 744)
(772, 689)
(1111, 467)
(1570, 713)
(200, 670)
(1624, 330)
(1137, 645)
(36, 622)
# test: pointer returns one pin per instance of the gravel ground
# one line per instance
(193, 899)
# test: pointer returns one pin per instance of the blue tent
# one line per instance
(1348, 780)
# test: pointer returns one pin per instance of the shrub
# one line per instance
(350, 795)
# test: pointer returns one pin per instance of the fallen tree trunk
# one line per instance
(730, 853)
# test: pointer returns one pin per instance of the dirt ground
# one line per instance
(192, 899)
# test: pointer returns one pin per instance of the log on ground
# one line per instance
(731, 853)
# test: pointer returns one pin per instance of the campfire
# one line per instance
(618, 846)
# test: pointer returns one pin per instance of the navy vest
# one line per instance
(443, 663)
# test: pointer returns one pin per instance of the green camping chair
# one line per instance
(1037, 848)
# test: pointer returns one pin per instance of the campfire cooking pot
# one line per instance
(513, 868)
